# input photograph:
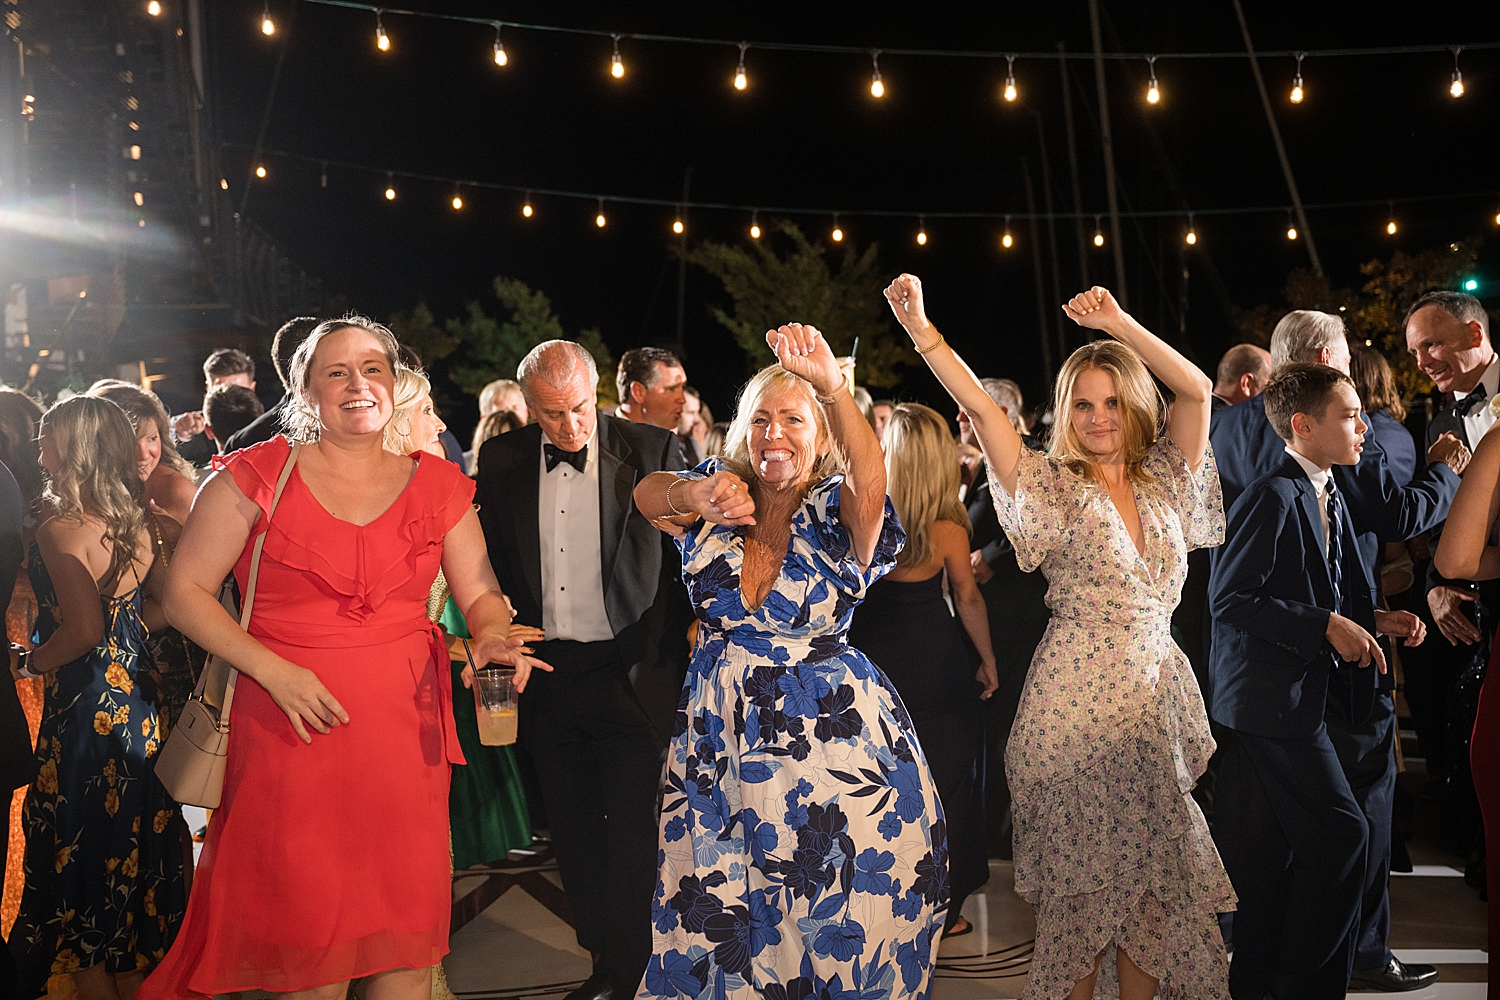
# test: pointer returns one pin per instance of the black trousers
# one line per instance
(598, 762)
(1367, 753)
(1294, 841)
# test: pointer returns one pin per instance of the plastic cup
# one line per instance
(495, 706)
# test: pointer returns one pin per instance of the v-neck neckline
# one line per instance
(415, 466)
(743, 534)
(1140, 551)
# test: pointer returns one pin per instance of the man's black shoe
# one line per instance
(1395, 977)
(595, 987)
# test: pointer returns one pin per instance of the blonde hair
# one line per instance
(97, 476)
(143, 405)
(411, 386)
(922, 475)
(1140, 410)
(299, 419)
(775, 380)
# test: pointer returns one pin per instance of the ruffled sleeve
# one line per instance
(255, 471)
(1195, 496)
(448, 495)
(1033, 518)
(820, 525)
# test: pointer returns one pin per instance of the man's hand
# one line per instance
(1401, 624)
(1449, 450)
(1353, 643)
(1446, 604)
(982, 572)
(186, 426)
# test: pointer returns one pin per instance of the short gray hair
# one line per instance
(554, 361)
(299, 419)
(1302, 333)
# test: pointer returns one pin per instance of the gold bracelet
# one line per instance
(672, 506)
(936, 344)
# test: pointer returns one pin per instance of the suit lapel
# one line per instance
(1307, 500)
(617, 477)
(524, 479)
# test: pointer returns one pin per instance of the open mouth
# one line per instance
(357, 404)
(776, 455)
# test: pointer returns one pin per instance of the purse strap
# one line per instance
(249, 605)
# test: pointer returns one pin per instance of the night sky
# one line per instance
(807, 133)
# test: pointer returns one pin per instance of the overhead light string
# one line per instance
(677, 225)
(1006, 239)
(1010, 93)
(877, 85)
(838, 232)
(1297, 92)
(1456, 88)
(599, 219)
(1098, 233)
(741, 81)
(1191, 238)
(390, 186)
(267, 26)
(1390, 226)
(616, 64)
(458, 200)
(755, 224)
(526, 209)
(1291, 230)
(382, 40)
(501, 57)
(1153, 92)
(921, 230)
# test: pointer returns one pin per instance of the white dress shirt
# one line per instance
(1480, 419)
(572, 568)
(1319, 479)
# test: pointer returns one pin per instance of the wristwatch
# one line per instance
(21, 660)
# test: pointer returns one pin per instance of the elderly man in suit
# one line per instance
(1381, 509)
(579, 561)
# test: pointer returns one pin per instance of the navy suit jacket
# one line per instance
(1270, 595)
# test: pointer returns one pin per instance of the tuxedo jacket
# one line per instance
(1270, 594)
(630, 547)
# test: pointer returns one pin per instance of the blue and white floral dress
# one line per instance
(803, 851)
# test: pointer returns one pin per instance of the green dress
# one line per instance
(486, 805)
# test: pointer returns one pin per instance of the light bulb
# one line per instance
(616, 64)
(224, 183)
(390, 193)
(260, 172)
(140, 199)
(500, 57)
(1497, 218)
(526, 210)
(1007, 241)
(1291, 232)
(1098, 239)
(754, 231)
(1191, 237)
(741, 81)
(599, 220)
(877, 87)
(458, 203)
(1297, 91)
(1010, 89)
(382, 40)
(135, 154)
(267, 26)
(921, 237)
(1152, 93)
(677, 226)
(1390, 228)
(838, 234)
(153, 8)
(1456, 88)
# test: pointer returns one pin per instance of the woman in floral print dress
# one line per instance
(103, 894)
(1111, 732)
(803, 849)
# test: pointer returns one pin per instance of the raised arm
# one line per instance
(802, 351)
(1002, 445)
(1461, 552)
(1189, 422)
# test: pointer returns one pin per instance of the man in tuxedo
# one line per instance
(1242, 374)
(577, 560)
(1381, 508)
(1017, 612)
(1448, 334)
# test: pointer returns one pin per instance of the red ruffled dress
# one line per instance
(330, 861)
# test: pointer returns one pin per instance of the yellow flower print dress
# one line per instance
(101, 884)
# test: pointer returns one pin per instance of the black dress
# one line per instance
(905, 627)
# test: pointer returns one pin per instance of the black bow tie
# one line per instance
(577, 459)
(1469, 403)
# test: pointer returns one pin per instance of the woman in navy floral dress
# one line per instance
(803, 849)
(104, 892)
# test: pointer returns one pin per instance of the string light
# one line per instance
(1297, 80)
(677, 226)
(135, 154)
(154, 8)
(323, 177)
(259, 172)
(390, 187)
(1291, 230)
(1153, 92)
(501, 59)
(1456, 88)
(741, 81)
(616, 64)
(457, 202)
(224, 183)
(382, 40)
(1191, 239)
(1390, 227)
(140, 199)
(1497, 218)
(1006, 239)
(526, 210)
(1098, 233)
(838, 233)
(921, 230)
(1010, 92)
(755, 225)
(600, 220)
(267, 26)
(877, 85)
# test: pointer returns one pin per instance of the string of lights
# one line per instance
(530, 194)
(741, 78)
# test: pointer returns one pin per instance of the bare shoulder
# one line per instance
(70, 534)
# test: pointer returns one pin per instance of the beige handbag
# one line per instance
(191, 763)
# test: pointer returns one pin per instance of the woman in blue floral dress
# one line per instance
(803, 849)
(104, 892)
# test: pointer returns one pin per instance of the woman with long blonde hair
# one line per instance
(906, 627)
(170, 480)
(1111, 733)
(104, 891)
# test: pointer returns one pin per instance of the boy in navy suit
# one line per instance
(1294, 626)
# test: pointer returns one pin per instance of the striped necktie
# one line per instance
(1335, 544)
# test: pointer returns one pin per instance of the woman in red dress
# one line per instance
(328, 858)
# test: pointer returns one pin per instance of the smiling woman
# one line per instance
(339, 646)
